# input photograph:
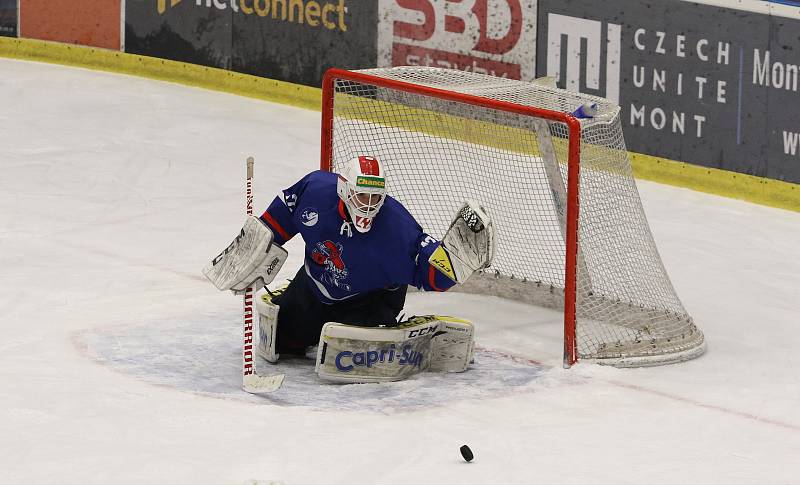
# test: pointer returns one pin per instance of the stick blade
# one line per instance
(256, 384)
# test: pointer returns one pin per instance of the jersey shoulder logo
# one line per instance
(309, 217)
(290, 200)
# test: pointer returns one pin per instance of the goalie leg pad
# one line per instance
(453, 345)
(352, 354)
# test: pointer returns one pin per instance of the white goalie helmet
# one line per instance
(362, 188)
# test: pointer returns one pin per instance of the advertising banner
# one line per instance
(180, 30)
(776, 69)
(288, 40)
(83, 22)
(495, 37)
(697, 83)
(8, 18)
(298, 41)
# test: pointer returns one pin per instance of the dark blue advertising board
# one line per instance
(703, 84)
(288, 40)
(8, 18)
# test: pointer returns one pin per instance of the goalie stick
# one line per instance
(251, 381)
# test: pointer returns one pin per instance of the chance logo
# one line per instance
(309, 217)
(565, 35)
(377, 182)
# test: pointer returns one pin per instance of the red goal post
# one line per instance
(398, 113)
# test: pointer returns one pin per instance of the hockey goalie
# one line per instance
(362, 250)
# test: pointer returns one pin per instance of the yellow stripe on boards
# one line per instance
(760, 190)
(162, 70)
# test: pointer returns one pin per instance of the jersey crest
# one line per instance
(329, 255)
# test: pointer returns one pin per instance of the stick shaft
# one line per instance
(248, 364)
(251, 381)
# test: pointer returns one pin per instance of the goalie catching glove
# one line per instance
(250, 260)
(468, 245)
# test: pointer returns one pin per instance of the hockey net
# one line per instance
(571, 231)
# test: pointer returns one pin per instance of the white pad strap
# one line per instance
(349, 353)
(250, 260)
(468, 245)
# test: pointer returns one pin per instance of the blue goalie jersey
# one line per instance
(342, 263)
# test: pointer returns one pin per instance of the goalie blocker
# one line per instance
(251, 260)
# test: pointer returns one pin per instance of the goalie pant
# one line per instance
(301, 315)
(343, 266)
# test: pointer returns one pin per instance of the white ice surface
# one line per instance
(119, 363)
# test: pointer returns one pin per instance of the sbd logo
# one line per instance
(470, 35)
(457, 23)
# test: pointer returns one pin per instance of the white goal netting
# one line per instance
(438, 153)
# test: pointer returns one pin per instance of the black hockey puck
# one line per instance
(466, 453)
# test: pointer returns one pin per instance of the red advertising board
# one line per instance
(87, 22)
(495, 37)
